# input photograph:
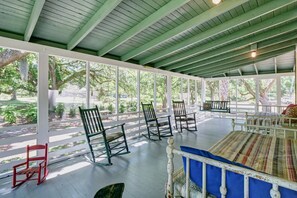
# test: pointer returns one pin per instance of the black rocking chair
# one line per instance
(181, 116)
(99, 139)
(155, 126)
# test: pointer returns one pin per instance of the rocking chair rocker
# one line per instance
(99, 138)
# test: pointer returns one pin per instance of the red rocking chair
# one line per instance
(37, 164)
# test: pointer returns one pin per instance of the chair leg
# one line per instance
(181, 126)
(159, 133)
(148, 132)
(170, 128)
(92, 152)
(14, 178)
(108, 152)
(124, 135)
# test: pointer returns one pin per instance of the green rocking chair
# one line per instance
(101, 139)
(156, 126)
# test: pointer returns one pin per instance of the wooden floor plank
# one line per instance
(144, 171)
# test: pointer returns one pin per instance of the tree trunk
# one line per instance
(13, 95)
(224, 89)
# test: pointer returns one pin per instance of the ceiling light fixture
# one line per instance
(216, 2)
(253, 54)
(254, 50)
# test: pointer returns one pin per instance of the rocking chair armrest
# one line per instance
(111, 127)
(94, 134)
(18, 165)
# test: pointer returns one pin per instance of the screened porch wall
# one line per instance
(65, 134)
(253, 93)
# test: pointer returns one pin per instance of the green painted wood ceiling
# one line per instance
(193, 37)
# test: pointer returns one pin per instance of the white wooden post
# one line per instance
(42, 101)
(246, 186)
(188, 178)
(117, 92)
(170, 167)
(196, 94)
(155, 92)
(274, 193)
(236, 93)
(169, 94)
(204, 180)
(202, 90)
(278, 94)
(181, 89)
(138, 97)
(88, 84)
(223, 189)
(257, 94)
(189, 95)
(295, 57)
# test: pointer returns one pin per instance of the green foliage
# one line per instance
(11, 80)
(122, 108)
(72, 112)
(132, 106)
(101, 108)
(12, 112)
(110, 108)
(59, 110)
(30, 113)
(9, 113)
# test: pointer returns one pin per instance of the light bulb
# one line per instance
(253, 54)
(216, 2)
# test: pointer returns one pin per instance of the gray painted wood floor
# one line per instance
(143, 170)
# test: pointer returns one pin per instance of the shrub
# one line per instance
(30, 113)
(110, 108)
(72, 112)
(132, 106)
(59, 110)
(9, 113)
(122, 108)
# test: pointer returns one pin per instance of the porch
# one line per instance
(143, 171)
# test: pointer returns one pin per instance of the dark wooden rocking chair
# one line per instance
(155, 126)
(181, 116)
(98, 137)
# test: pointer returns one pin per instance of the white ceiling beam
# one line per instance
(275, 65)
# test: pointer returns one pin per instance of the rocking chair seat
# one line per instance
(109, 138)
(114, 136)
(160, 124)
(28, 171)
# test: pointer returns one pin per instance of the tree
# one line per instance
(264, 88)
